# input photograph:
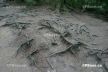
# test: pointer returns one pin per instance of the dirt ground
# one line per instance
(12, 37)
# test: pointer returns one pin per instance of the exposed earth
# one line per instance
(41, 40)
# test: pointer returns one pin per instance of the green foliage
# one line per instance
(30, 2)
(73, 4)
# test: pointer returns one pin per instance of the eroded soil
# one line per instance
(27, 47)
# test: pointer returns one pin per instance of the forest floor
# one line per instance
(12, 37)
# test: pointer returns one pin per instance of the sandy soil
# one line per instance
(10, 41)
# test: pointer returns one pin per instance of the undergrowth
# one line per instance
(99, 7)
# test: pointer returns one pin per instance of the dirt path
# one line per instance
(10, 41)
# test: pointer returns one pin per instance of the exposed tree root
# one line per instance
(66, 37)
(99, 56)
(73, 45)
(24, 47)
(16, 25)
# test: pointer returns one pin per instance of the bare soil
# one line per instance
(31, 40)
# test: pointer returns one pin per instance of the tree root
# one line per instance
(24, 47)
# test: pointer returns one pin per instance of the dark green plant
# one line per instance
(30, 2)
(72, 4)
